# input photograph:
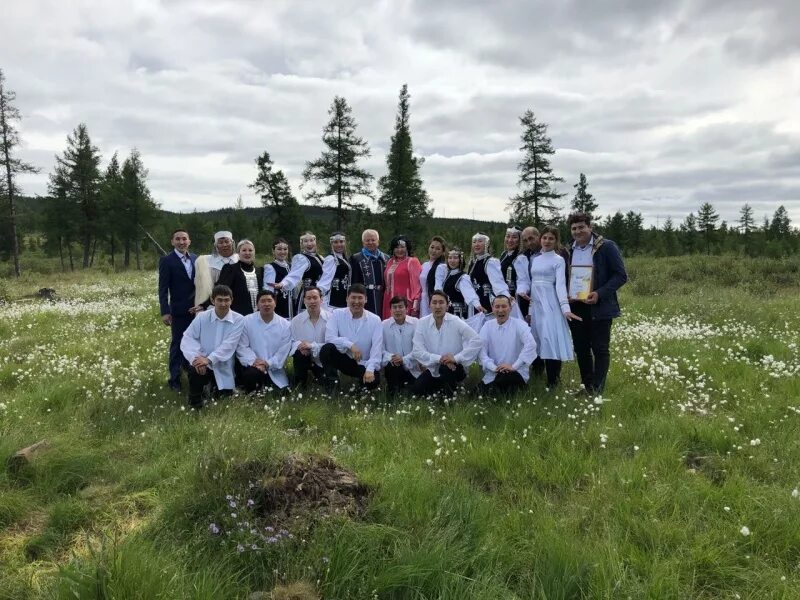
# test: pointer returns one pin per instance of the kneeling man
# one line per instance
(444, 345)
(308, 336)
(264, 346)
(400, 368)
(508, 350)
(353, 342)
(209, 343)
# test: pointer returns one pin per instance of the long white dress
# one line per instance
(549, 305)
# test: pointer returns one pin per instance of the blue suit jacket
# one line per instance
(175, 287)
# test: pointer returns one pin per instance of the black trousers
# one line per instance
(591, 339)
(252, 379)
(447, 382)
(507, 383)
(176, 359)
(335, 362)
(397, 378)
(302, 365)
(196, 384)
(553, 369)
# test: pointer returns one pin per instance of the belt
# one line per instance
(374, 287)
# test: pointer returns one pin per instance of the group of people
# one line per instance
(422, 325)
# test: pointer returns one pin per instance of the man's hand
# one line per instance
(369, 376)
(304, 348)
(592, 298)
(396, 360)
(356, 352)
(167, 319)
(261, 365)
(447, 358)
(200, 364)
(504, 368)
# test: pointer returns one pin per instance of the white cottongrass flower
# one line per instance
(795, 493)
(745, 530)
(755, 442)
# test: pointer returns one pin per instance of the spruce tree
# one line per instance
(273, 188)
(583, 201)
(781, 224)
(402, 198)
(112, 201)
(337, 168)
(140, 211)
(536, 202)
(689, 231)
(746, 221)
(10, 166)
(707, 219)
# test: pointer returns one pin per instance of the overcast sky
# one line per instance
(663, 105)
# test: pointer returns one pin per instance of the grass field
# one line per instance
(681, 483)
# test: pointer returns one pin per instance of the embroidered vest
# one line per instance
(480, 281)
(509, 272)
(458, 305)
(340, 283)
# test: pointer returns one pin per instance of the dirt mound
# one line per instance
(310, 486)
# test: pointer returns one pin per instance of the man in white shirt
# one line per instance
(209, 343)
(353, 342)
(508, 350)
(264, 346)
(400, 369)
(444, 345)
(308, 336)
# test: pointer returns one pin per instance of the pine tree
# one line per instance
(402, 198)
(707, 219)
(9, 165)
(746, 221)
(337, 169)
(273, 188)
(535, 203)
(583, 201)
(140, 210)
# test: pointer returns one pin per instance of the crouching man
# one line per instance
(308, 337)
(209, 343)
(353, 342)
(508, 350)
(445, 346)
(264, 346)
(400, 368)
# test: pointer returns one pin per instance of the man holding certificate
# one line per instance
(596, 273)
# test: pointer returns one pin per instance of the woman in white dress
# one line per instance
(434, 270)
(550, 307)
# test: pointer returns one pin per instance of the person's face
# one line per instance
(479, 246)
(453, 261)
(309, 244)
(225, 246)
(266, 305)
(511, 241)
(400, 251)
(501, 309)
(246, 253)
(312, 300)
(399, 312)
(222, 304)
(438, 306)
(338, 246)
(181, 241)
(435, 250)
(281, 251)
(581, 233)
(548, 241)
(370, 241)
(355, 302)
(530, 239)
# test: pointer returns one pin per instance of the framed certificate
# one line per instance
(580, 281)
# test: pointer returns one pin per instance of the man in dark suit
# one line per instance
(176, 297)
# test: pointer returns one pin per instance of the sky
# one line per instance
(663, 105)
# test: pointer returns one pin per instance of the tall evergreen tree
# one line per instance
(536, 202)
(583, 201)
(139, 208)
(337, 168)
(746, 221)
(402, 198)
(781, 225)
(9, 164)
(62, 217)
(670, 243)
(707, 219)
(112, 200)
(273, 188)
(689, 232)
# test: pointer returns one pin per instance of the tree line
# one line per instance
(109, 215)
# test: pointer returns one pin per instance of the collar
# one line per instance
(369, 254)
(182, 256)
(482, 256)
(228, 317)
(589, 245)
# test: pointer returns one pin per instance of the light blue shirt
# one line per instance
(268, 341)
(187, 263)
(582, 255)
(216, 339)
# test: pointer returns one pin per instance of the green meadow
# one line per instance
(681, 482)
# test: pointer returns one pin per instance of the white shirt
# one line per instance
(522, 268)
(216, 339)
(495, 274)
(582, 255)
(305, 330)
(216, 262)
(366, 333)
(454, 337)
(399, 339)
(438, 282)
(300, 264)
(510, 343)
(268, 341)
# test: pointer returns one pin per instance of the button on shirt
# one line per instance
(454, 337)
(187, 263)
(582, 256)
(510, 343)
(216, 339)
(268, 341)
(399, 339)
(342, 330)
(305, 330)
